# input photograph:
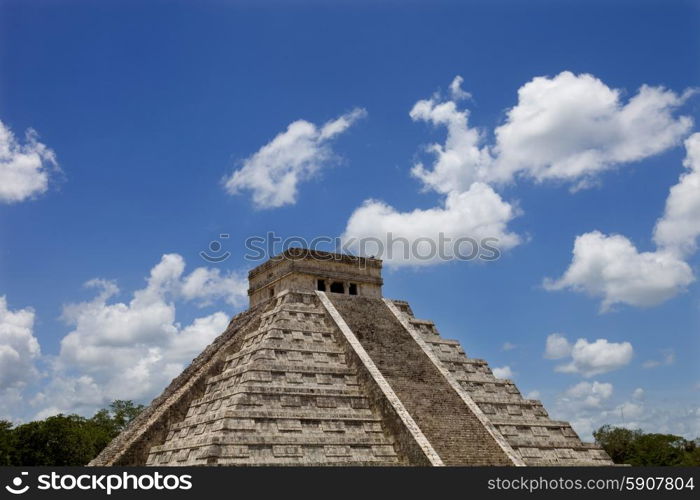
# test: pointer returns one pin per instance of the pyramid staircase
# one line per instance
(286, 397)
(524, 423)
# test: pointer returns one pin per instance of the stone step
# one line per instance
(327, 347)
(345, 414)
(256, 439)
(529, 422)
(546, 443)
(277, 455)
(280, 391)
(455, 433)
(265, 369)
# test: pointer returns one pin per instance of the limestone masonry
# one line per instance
(321, 370)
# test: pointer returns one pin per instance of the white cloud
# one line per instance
(462, 160)
(470, 208)
(131, 350)
(668, 357)
(610, 267)
(207, 285)
(590, 406)
(11, 399)
(557, 347)
(503, 372)
(533, 395)
(568, 128)
(274, 172)
(456, 91)
(590, 394)
(571, 127)
(19, 349)
(678, 229)
(80, 394)
(582, 404)
(25, 169)
(629, 410)
(508, 346)
(588, 358)
(594, 358)
(477, 213)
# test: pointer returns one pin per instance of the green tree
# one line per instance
(617, 441)
(658, 449)
(692, 455)
(123, 412)
(6, 442)
(635, 447)
(58, 440)
(64, 439)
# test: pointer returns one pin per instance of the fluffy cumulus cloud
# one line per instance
(273, 173)
(589, 394)
(25, 168)
(533, 395)
(456, 91)
(590, 405)
(565, 128)
(19, 349)
(469, 212)
(462, 159)
(612, 268)
(206, 285)
(678, 229)
(436, 234)
(571, 127)
(557, 347)
(582, 404)
(503, 372)
(132, 349)
(588, 358)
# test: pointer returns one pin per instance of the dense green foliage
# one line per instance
(635, 447)
(64, 439)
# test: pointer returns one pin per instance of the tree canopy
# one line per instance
(635, 447)
(64, 439)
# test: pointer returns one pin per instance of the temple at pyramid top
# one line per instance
(310, 270)
(321, 369)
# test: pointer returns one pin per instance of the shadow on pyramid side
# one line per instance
(322, 370)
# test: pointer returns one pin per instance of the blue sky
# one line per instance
(149, 108)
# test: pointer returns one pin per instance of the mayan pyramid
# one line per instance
(322, 370)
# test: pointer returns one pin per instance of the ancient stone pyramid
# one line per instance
(321, 370)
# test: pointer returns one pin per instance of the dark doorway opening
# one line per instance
(321, 285)
(352, 289)
(337, 287)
